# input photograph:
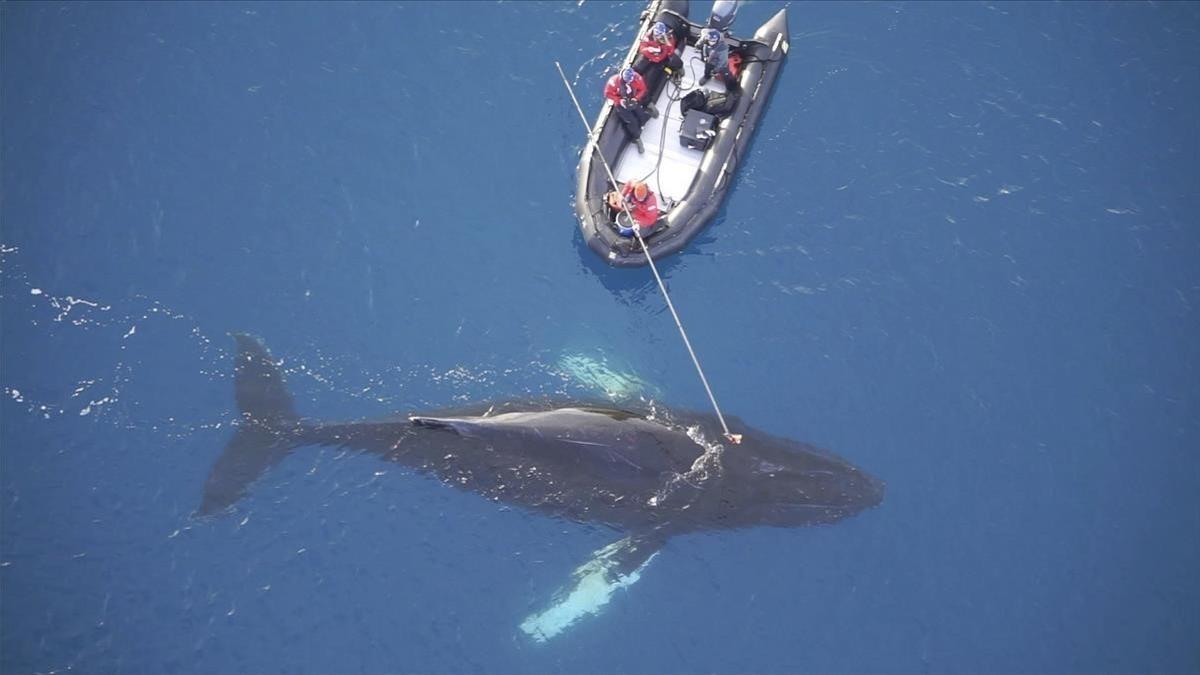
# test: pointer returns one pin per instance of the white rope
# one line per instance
(637, 232)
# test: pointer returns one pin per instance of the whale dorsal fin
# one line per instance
(458, 425)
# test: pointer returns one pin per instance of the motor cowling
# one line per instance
(723, 14)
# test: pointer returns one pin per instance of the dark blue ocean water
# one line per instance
(963, 253)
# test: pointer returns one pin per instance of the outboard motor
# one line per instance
(723, 14)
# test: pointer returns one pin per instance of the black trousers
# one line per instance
(643, 65)
(633, 118)
(731, 82)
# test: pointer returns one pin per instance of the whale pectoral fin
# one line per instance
(618, 565)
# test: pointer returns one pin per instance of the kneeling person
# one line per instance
(643, 206)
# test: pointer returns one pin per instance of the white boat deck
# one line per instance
(667, 166)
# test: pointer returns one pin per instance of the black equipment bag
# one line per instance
(698, 130)
(711, 102)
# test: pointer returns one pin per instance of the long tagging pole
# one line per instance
(637, 232)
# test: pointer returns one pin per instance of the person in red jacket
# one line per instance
(657, 48)
(643, 206)
(627, 91)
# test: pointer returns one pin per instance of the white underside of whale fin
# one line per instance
(593, 586)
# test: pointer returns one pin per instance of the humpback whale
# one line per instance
(645, 471)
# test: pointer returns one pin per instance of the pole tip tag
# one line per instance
(736, 439)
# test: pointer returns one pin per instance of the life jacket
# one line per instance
(655, 51)
(735, 64)
(618, 89)
(645, 211)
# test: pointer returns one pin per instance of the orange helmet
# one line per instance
(640, 191)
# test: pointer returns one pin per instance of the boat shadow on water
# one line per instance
(632, 287)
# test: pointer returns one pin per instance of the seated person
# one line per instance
(642, 204)
(627, 91)
(658, 49)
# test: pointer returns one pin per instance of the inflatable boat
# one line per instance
(689, 176)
